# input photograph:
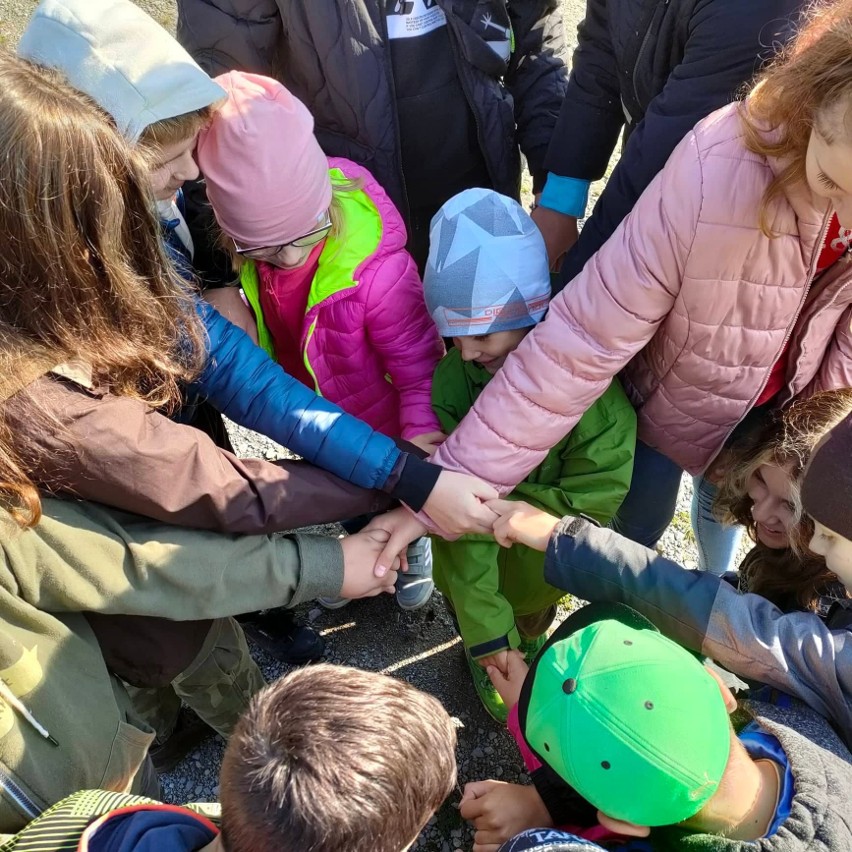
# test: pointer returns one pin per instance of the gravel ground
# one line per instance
(421, 647)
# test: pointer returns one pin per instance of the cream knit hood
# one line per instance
(121, 58)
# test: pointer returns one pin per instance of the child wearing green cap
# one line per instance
(487, 284)
(633, 724)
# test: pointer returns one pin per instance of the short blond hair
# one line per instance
(170, 131)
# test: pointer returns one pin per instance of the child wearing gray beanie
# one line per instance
(487, 284)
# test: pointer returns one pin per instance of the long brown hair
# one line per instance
(812, 75)
(792, 576)
(83, 274)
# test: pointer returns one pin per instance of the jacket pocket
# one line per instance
(129, 748)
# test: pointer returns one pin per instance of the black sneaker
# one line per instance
(191, 730)
(282, 636)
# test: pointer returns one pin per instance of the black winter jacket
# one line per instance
(350, 91)
(653, 68)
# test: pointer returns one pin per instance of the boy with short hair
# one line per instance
(487, 284)
(614, 716)
(313, 764)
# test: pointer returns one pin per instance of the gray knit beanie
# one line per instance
(487, 269)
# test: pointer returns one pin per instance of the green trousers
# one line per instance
(218, 685)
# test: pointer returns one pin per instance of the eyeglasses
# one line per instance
(308, 240)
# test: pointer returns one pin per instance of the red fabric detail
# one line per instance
(776, 378)
(284, 302)
(833, 248)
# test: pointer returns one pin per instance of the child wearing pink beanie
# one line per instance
(320, 250)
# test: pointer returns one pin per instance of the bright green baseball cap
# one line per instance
(632, 721)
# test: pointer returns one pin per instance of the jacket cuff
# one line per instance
(493, 646)
(565, 195)
(412, 480)
(320, 568)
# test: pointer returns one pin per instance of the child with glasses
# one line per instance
(320, 251)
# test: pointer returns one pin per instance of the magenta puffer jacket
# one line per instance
(691, 301)
(367, 339)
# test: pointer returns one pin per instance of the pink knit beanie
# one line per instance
(267, 177)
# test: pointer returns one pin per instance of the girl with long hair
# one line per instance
(97, 336)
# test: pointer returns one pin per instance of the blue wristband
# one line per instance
(565, 195)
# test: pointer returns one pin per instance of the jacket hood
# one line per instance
(148, 828)
(121, 58)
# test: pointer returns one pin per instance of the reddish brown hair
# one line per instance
(812, 75)
(83, 274)
(331, 758)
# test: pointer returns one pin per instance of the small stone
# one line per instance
(477, 754)
(489, 750)
(492, 735)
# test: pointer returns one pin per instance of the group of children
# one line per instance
(625, 733)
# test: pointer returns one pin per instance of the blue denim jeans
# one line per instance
(717, 542)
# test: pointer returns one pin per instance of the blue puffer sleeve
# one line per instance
(246, 385)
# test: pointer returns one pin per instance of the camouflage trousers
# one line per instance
(218, 685)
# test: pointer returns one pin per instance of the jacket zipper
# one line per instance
(811, 275)
(18, 796)
(383, 11)
(642, 47)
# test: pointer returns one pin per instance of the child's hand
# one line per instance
(500, 661)
(522, 523)
(400, 528)
(429, 441)
(360, 552)
(456, 504)
(499, 811)
(509, 683)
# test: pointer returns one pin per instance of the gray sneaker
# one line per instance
(415, 587)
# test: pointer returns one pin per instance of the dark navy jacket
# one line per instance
(652, 68)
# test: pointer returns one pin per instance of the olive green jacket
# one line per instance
(84, 557)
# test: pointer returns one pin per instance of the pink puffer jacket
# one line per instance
(367, 337)
(691, 301)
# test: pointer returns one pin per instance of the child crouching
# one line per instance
(487, 284)
(326, 759)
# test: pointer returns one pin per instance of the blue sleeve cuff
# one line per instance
(565, 195)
